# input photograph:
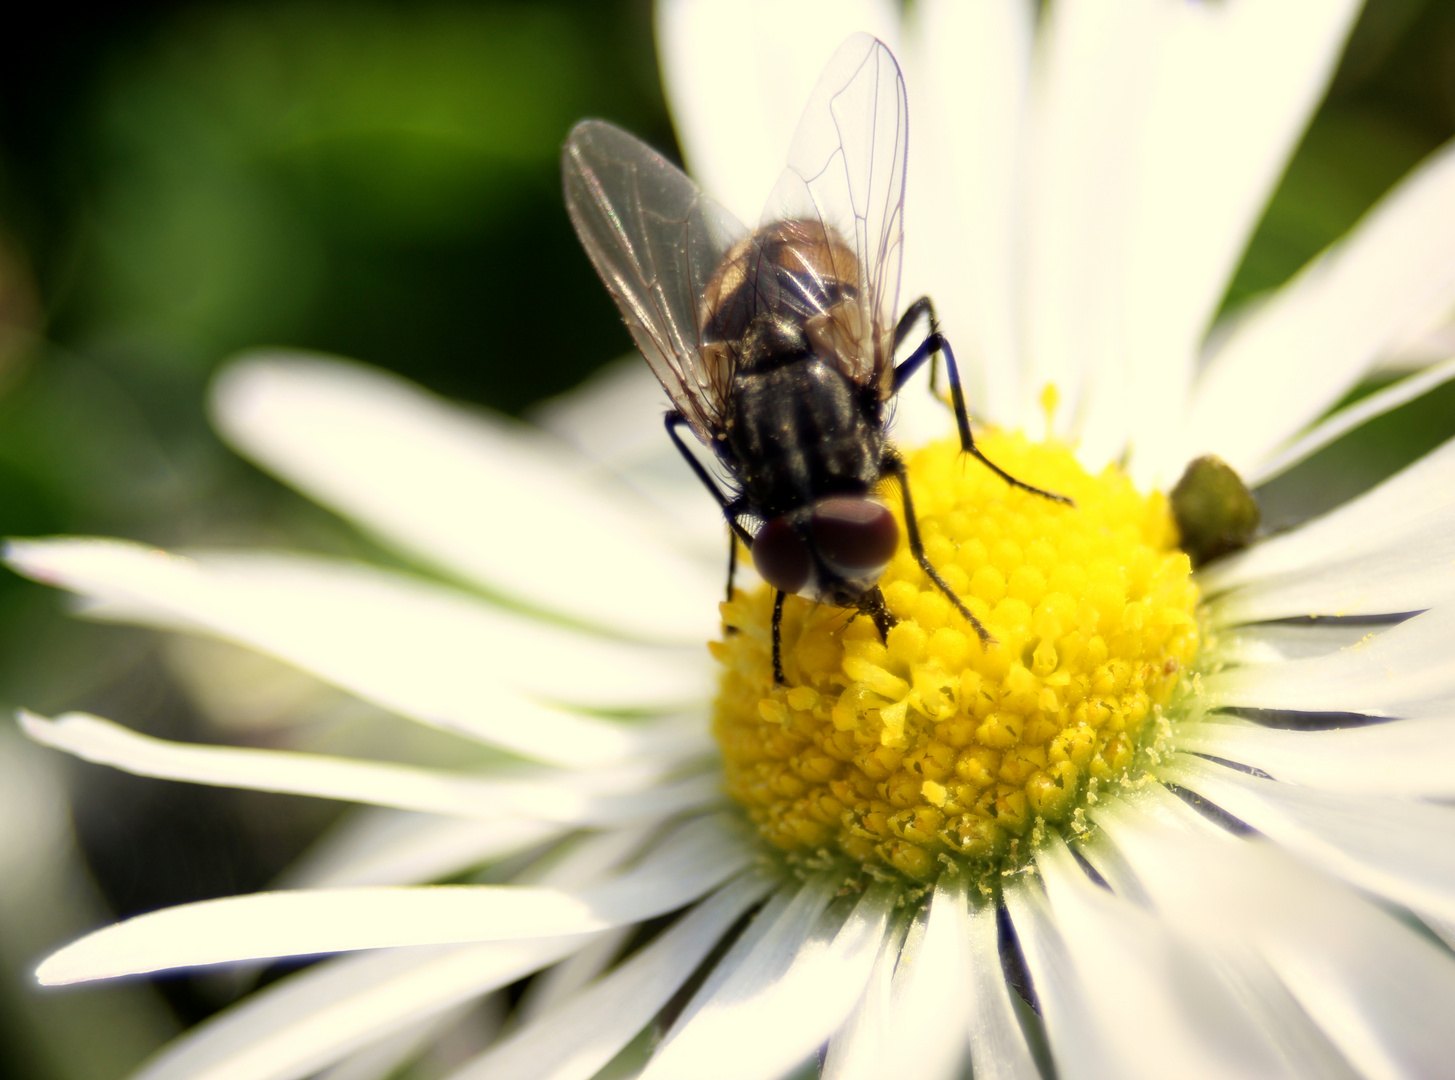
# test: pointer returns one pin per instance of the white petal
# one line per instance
(565, 798)
(395, 848)
(924, 1025)
(998, 1049)
(766, 1018)
(1266, 643)
(1407, 670)
(615, 417)
(1091, 77)
(302, 1023)
(1390, 550)
(967, 68)
(863, 1042)
(1297, 355)
(1379, 990)
(1397, 848)
(1402, 757)
(1155, 999)
(738, 74)
(1077, 1041)
(696, 858)
(1306, 1049)
(1233, 87)
(386, 1057)
(423, 651)
(1340, 423)
(574, 1040)
(480, 497)
(931, 999)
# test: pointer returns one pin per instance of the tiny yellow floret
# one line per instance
(925, 744)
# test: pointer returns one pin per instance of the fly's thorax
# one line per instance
(902, 751)
(795, 269)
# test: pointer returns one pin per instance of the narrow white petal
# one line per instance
(429, 653)
(738, 74)
(575, 1039)
(1379, 990)
(1400, 849)
(864, 1042)
(306, 1021)
(1377, 520)
(931, 1002)
(1091, 79)
(923, 1025)
(1340, 423)
(793, 905)
(563, 798)
(1156, 1001)
(968, 72)
(386, 1057)
(1308, 1052)
(766, 1019)
(1407, 670)
(388, 847)
(998, 1049)
(1077, 1042)
(1297, 355)
(1390, 550)
(698, 857)
(1266, 643)
(1233, 88)
(1403, 757)
(483, 498)
(615, 417)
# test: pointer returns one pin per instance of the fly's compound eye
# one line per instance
(855, 537)
(781, 556)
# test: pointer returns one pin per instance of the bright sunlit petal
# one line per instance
(495, 504)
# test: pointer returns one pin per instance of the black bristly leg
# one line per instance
(923, 308)
(730, 508)
(778, 597)
(933, 346)
(732, 562)
(894, 466)
(675, 419)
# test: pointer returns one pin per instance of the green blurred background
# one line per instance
(181, 180)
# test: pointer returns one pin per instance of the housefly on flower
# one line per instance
(776, 345)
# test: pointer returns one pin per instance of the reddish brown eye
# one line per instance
(781, 556)
(853, 535)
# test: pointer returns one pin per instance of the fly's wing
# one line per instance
(845, 176)
(655, 239)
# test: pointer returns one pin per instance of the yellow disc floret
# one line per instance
(929, 745)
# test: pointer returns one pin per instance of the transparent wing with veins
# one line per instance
(846, 170)
(655, 239)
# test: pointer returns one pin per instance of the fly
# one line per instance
(776, 345)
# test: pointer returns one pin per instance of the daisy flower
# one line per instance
(1169, 824)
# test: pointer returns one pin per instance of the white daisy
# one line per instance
(1233, 861)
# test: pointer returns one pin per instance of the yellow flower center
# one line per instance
(930, 747)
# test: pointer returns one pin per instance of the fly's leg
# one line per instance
(778, 597)
(893, 465)
(923, 308)
(731, 508)
(732, 562)
(932, 347)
